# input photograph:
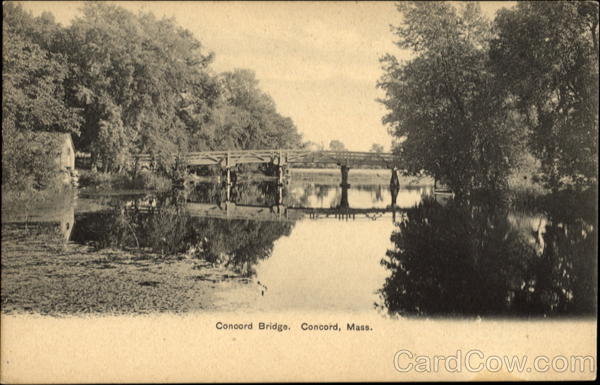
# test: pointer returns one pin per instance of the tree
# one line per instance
(444, 104)
(253, 118)
(247, 118)
(33, 92)
(33, 99)
(336, 145)
(546, 55)
(312, 146)
(378, 148)
(142, 83)
(125, 84)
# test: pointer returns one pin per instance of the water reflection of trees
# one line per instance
(471, 260)
(259, 193)
(161, 225)
(237, 243)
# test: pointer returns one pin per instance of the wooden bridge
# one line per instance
(282, 158)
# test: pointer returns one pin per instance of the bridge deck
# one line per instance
(283, 157)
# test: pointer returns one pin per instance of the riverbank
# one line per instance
(42, 274)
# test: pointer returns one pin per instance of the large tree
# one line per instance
(246, 117)
(444, 104)
(546, 54)
(129, 83)
(33, 92)
(33, 99)
(143, 83)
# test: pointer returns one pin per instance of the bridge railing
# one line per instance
(283, 156)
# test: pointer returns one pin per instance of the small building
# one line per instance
(63, 145)
(66, 156)
(63, 151)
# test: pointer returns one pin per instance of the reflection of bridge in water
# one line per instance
(228, 209)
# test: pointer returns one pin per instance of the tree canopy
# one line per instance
(546, 55)
(246, 118)
(476, 95)
(337, 145)
(126, 83)
(444, 103)
(376, 147)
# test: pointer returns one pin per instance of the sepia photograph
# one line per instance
(258, 191)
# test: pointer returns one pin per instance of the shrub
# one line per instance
(29, 162)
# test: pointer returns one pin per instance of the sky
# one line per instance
(319, 61)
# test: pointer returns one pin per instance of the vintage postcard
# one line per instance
(203, 191)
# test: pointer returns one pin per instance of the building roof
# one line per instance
(52, 138)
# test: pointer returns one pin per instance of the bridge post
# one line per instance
(344, 201)
(228, 188)
(394, 189)
(226, 165)
(345, 186)
(394, 181)
(229, 208)
(279, 195)
(281, 168)
(345, 170)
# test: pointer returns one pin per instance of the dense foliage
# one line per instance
(478, 96)
(376, 147)
(546, 55)
(337, 145)
(125, 83)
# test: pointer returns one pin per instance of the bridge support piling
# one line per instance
(281, 163)
(281, 175)
(345, 186)
(228, 191)
(344, 204)
(394, 189)
(395, 180)
(345, 170)
(279, 195)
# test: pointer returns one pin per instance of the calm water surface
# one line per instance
(318, 247)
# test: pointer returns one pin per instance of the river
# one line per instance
(308, 246)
